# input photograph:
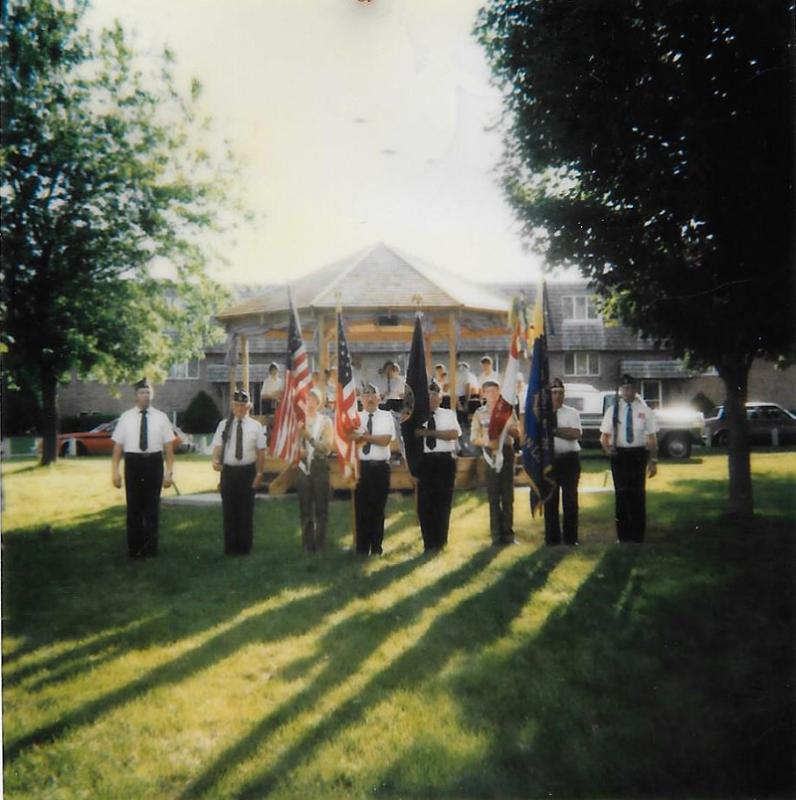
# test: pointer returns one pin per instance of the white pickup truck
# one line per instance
(679, 427)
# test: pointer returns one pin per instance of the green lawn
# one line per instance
(658, 671)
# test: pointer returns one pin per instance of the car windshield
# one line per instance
(106, 426)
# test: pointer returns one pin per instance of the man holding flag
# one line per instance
(495, 428)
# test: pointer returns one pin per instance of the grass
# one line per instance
(660, 671)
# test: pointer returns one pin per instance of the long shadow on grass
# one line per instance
(658, 679)
(271, 625)
(472, 624)
(78, 582)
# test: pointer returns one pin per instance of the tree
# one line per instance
(105, 193)
(651, 145)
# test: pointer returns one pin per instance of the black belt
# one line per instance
(240, 466)
(141, 456)
(448, 453)
(374, 463)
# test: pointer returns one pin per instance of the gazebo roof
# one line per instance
(379, 277)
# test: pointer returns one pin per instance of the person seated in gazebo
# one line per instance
(394, 386)
(271, 393)
(331, 388)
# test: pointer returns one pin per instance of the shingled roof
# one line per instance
(378, 277)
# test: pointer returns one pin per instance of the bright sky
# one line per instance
(356, 122)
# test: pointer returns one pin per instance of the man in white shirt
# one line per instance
(566, 468)
(437, 471)
(143, 434)
(370, 497)
(239, 455)
(487, 372)
(467, 392)
(394, 386)
(272, 389)
(628, 434)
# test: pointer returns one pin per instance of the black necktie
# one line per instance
(239, 441)
(143, 437)
(366, 447)
(431, 441)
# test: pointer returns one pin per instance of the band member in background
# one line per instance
(437, 471)
(143, 435)
(273, 386)
(566, 468)
(373, 440)
(628, 434)
(312, 481)
(239, 455)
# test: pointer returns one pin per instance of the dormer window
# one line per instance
(580, 308)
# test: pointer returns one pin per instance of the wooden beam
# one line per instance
(323, 343)
(244, 359)
(453, 355)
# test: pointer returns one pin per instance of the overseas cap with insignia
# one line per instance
(627, 380)
(486, 360)
(434, 387)
(273, 365)
(370, 389)
(464, 364)
(490, 382)
(556, 383)
(142, 384)
(240, 396)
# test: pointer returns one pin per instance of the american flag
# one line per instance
(346, 415)
(291, 411)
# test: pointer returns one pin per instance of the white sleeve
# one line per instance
(120, 429)
(651, 425)
(217, 435)
(607, 425)
(167, 431)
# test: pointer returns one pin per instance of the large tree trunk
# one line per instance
(736, 379)
(49, 415)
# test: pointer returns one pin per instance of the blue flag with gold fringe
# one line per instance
(537, 449)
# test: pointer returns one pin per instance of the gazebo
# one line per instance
(378, 291)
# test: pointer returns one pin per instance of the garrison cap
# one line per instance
(142, 384)
(240, 396)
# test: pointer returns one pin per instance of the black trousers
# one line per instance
(566, 468)
(237, 502)
(628, 468)
(313, 493)
(500, 490)
(370, 497)
(143, 480)
(434, 497)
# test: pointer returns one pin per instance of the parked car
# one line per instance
(762, 419)
(98, 441)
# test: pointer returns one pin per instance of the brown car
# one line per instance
(98, 441)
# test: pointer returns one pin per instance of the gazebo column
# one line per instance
(323, 344)
(244, 360)
(453, 355)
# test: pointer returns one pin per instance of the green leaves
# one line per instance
(105, 172)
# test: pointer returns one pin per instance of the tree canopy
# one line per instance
(650, 144)
(106, 188)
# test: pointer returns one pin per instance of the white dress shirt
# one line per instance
(444, 420)
(253, 440)
(644, 423)
(383, 423)
(128, 430)
(272, 387)
(465, 376)
(567, 417)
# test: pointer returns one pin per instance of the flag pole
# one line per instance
(338, 313)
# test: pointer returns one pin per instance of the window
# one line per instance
(651, 393)
(581, 364)
(187, 370)
(580, 308)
